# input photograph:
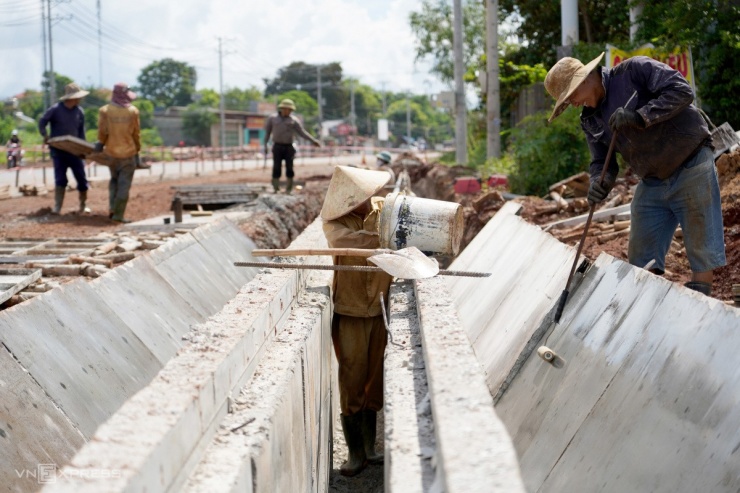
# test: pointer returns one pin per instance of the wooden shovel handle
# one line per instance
(337, 252)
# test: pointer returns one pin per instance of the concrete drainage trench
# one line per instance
(180, 372)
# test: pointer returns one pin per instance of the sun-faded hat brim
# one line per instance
(350, 187)
(75, 95)
(576, 80)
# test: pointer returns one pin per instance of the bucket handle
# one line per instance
(706, 119)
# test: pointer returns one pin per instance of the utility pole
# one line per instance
(635, 14)
(461, 124)
(318, 96)
(493, 101)
(221, 92)
(382, 93)
(569, 27)
(43, 36)
(408, 120)
(352, 106)
(100, 48)
(52, 76)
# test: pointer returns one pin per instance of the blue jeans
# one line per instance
(689, 197)
(63, 161)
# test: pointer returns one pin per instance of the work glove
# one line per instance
(46, 139)
(625, 118)
(98, 146)
(317, 144)
(597, 192)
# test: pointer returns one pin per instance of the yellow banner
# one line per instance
(679, 59)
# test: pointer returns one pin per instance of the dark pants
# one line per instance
(65, 160)
(282, 152)
(121, 177)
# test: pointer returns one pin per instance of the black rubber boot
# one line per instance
(289, 185)
(702, 287)
(58, 200)
(369, 423)
(352, 428)
(83, 203)
(276, 184)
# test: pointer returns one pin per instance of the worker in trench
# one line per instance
(119, 138)
(666, 142)
(283, 128)
(351, 214)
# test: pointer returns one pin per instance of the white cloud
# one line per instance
(372, 41)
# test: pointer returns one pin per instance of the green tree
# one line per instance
(710, 28)
(303, 77)
(32, 104)
(241, 99)
(146, 112)
(196, 125)
(432, 28)
(59, 82)
(207, 98)
(167, 82)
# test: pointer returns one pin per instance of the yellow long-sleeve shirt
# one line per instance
(357, 294)
(118, 130)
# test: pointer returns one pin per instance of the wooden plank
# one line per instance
(80, 148)
(16, 280)
(600, 214)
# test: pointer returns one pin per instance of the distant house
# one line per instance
(241, 128)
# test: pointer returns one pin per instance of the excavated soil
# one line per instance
(437, 182)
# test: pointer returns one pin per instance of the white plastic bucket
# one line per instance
(432, 226)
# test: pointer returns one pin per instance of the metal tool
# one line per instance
(357, 268)
(406, 263)
(564, 294)
(543, 351)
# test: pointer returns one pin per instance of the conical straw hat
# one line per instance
(564, 78)
(349, 187)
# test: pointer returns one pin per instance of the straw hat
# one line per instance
(349, 187)
(287, 103)
(564, 78)
(73, 91)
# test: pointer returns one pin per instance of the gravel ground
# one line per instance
(368, 481)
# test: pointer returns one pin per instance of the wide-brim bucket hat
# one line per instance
(564, 78)
(350, 187)
(287, 103)
(73, 91)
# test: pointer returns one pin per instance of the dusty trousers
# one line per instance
(359, 344)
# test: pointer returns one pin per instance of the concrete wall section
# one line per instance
(501, 313)
(92, 345)
(474, 452)
(33, 430)
(648, 397)
(159, 436)
(409, 431)
(277, 436)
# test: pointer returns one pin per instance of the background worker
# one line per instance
(13, 146)
(284, 127)
(66, 118)
(351, 216)
(666, 142)
(118, 137)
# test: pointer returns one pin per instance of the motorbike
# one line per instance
(14, 155)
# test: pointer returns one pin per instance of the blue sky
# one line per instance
(371, 39)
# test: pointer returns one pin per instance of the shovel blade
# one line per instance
(407, 263)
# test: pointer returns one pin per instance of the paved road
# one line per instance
(167, 170)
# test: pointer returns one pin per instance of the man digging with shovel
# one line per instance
(665, 141)
(351, 216)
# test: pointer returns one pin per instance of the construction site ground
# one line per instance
(30, 216)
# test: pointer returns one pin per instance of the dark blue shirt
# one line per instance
(674, 128)
(64, 121)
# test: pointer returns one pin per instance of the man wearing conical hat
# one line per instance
(666, 142)
(283, 128)
(66, 118)
(351, 214)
